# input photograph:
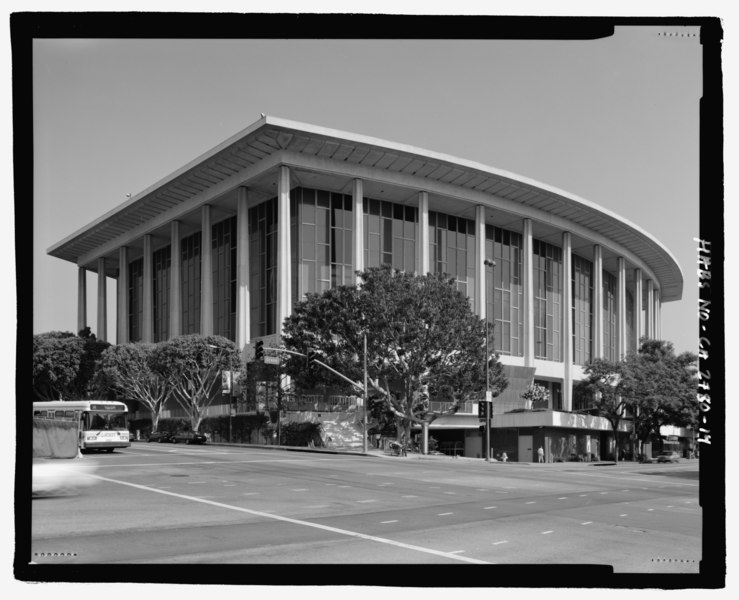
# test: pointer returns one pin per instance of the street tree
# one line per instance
(126, 370)
(423, 343)
(191, 366)
(605, 383)
(661, 387)
(64, 364)
(56, 362)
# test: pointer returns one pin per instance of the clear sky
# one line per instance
(614, 121)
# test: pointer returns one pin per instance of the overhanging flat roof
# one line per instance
(270, 136)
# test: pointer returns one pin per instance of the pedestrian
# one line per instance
(504, 457)
(541, 454)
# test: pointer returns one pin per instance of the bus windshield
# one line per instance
(103, 420)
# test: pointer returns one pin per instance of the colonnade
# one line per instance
(649, 325)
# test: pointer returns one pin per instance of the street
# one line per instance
(164, 504)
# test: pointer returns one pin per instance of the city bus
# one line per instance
(103, 424)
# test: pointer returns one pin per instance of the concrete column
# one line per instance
(102, 332)
(650, 309)
(638, 300)
(529, 347)
(243, 306)
(598, 324)
(621, 328)
(567, 324)
(206, 274)
(358, 224)
(480, 269)
(284, 266)
(122, 320)
(423, 251)
(175, 282)
(147, 325)
(657, 315)
(81, 298)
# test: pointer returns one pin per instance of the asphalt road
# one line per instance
(163, 504)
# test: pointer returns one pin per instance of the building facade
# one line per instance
(226, 245)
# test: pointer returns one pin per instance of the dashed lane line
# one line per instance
(586, 523)
(500, 542)
(546, 532)
(262, 513)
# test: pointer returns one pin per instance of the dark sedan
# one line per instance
(160, 436)
(188, 437)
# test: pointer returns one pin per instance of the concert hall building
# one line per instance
(285, 208)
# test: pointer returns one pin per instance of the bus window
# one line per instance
(69, 414)
(59, 414)
(39, 413)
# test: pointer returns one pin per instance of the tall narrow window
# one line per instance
(547, 301)
(390, 233)
(263, 267)
(135, 299)
(504, 289)
(190, 296)
(582, 309)
(610, 313)
(224, 278)
(322, 240)
(162, 263)
(452, 249)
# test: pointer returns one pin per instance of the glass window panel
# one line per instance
(386, 209)
(322, 199)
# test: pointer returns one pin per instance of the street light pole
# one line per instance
(366, 399)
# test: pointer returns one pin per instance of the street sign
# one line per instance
(271, 360)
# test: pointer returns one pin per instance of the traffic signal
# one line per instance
(259, 350)
(482, 411)
(310, 356)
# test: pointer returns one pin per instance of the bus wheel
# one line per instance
(109, 450)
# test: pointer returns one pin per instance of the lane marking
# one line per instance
(366, 500)
(386, 522)
(532, 502)
(194, 482)
(262, 513)
(299, 490)
(444, 514)
(456, 552)
(546, 532)
(251, 493)
(488, 507)
(562, 498)
(581, 495)
(624, 515)
(409, 496)
(586, 523)
(501, 542)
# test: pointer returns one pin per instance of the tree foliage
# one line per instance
(661, 387)
(605, 380)
(56, 362)
(423, 340)
(191, 367)
(126, 369)
(64, 364)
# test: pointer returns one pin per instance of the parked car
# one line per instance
(160, 436)
(189, 437)
(670, 457)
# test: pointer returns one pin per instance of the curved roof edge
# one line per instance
(652, 252)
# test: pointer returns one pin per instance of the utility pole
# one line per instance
(366, 399)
